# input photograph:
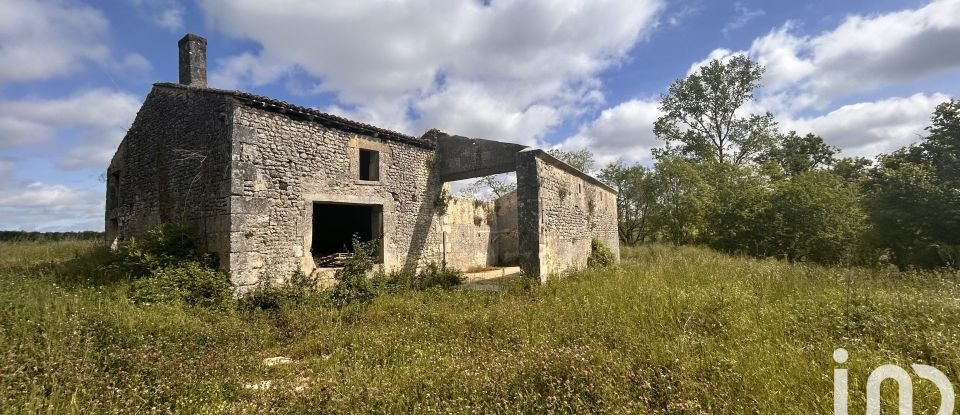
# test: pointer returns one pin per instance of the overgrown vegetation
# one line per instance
(191, 282)
(600, 255)
(353, 282)
(671, 330)
(735, 182)
(357, 283)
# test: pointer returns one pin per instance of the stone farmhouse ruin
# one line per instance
(273, 188)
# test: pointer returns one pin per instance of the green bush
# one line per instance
(299, 291)
(353, 284)
(392, 282)
(167, 265)
(162, 246)
(600, 255)
(188, 282)
(432, 275)
(438, 275)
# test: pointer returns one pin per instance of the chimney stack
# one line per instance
(193, 60)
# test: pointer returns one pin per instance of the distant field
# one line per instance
(675, 330)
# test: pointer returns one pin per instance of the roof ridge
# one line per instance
(309, 114)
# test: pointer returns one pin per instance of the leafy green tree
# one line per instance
(581, 159)
(853, 169)
(700, 120)
(816, 216)
(942, 146)
(684, 199)
(738, 198)
(638, 209)
(796, 154)
(914, 196)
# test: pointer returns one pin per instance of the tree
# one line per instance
(580, 159)
(852, 169)
(499, 185)
(914, 196)
(637, 208)
(737, 200)
(942, 146)
(700, 121)
(684, 198)
(799, 154)
(815, 216)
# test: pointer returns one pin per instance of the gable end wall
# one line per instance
(173, 165)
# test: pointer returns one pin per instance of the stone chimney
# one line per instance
(193, 60)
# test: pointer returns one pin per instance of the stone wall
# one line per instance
(281, 166)
(480, 233)
(173, 165)
(469, 227)
(505, 236)
(560, 210)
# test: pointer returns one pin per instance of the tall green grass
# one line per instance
(673, 330)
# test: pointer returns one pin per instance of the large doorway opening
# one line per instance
(335, 225)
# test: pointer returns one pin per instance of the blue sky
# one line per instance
(863, 74)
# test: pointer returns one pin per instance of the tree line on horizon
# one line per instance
(734, 182)
(10, 236)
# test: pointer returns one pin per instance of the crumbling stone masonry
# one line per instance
(273, 188)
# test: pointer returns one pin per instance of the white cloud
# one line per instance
(167, 14)
(473, 109)
(743, 16)
(870, 128)
(97, 118)
(247, 69)
(806, 73)
(45, 39)
(521, 63)
(864, 129)
(861, 54)
(33, 205)
(623, 132)
(171, 19)
(50, 207)
(723, 55)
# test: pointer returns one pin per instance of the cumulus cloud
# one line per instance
(870, 128)
(46, 39)
(247, 69)
(37, 206)
(805, 74)
(407, 63)
(623, 132)
(862, 53)
(96, 119)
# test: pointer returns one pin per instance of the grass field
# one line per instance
(673, 330)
